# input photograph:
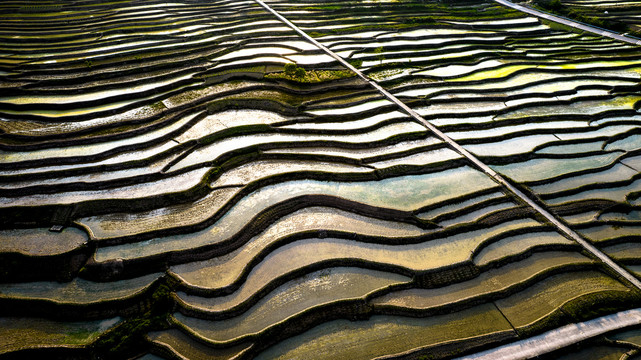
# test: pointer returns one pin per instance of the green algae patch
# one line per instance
(509, 69)
(501, 72)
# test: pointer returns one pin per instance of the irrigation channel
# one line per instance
(274, 180)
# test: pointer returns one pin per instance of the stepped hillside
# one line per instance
(621, 15)
(199, 180)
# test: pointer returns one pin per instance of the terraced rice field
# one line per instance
(170, 189)
(626, 11)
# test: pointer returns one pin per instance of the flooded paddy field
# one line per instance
(199, 180)
(624, 16)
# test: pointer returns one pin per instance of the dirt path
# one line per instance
(559, 338)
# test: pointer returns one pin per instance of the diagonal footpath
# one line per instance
(568, 22)
(560, 338)
(486, 169)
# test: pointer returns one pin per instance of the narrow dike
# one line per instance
(562, 228)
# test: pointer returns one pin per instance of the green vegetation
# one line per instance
(316, 34)
(379, 52)
(299, 74)
(553, 5)
(579, 14)
(294, 71)
(126, 338)
(39, 8)
(560, 27)
(356, 63)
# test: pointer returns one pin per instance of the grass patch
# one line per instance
(298, 74)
